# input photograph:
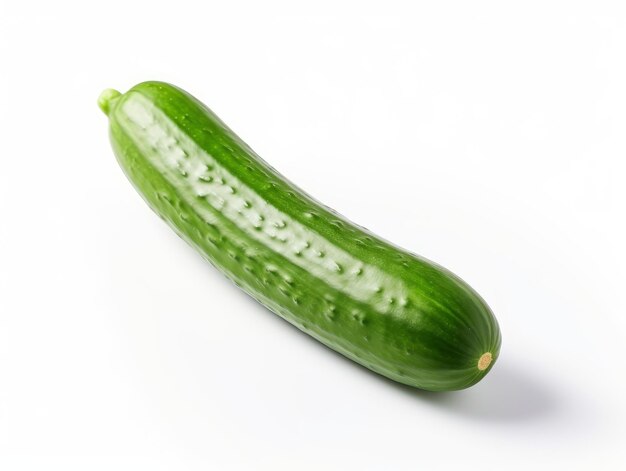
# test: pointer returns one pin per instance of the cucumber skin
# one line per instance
(393, 312)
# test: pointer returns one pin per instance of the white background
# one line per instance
(487, 136)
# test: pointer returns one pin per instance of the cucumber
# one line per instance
(393, 312)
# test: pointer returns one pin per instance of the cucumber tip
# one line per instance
(484, 361)
(106, 98)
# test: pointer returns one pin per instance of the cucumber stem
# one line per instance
(106, 99)
(484, 361)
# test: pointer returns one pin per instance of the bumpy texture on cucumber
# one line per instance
(397, 314)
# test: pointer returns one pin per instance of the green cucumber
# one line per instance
(393, 312)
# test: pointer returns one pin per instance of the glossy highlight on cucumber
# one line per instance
(393, 312)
